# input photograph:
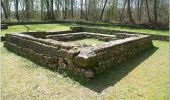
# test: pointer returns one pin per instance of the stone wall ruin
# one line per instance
(51, 49)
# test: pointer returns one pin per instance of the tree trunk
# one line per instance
(5, 10)
(16, 10)
(86, 10)
(123, 10)
(52, 10)
(147, 7)
(48, 9)
(31, 8)
(27, 9)
(81, 9)
(72, 9)
(42, 9)
(65, 9)
(57, 3)
(129, 11)
(114, 16)
(155, 10)
(140, 11)
(101, 15)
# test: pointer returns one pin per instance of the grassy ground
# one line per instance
(47, 27)
(144, 77)
(36, 27)
(151, 31)
(88, 41)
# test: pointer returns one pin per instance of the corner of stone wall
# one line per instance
(76, 28)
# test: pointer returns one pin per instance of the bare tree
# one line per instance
(140, 10)
(52, 10)
(4, 9)
(27, 9)
(81, 9)
(65, 9)
(134, 11)
(72, 8)
(16, 10)
(129, 11)
(122, 12)
(101, 16)
(147, 7)
(155, 10)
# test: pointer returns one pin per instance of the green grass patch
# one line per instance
(35, 27)
(143, 77)
(49, 27)
(142, 30)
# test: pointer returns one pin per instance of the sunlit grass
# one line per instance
(35, 27)
(49, 27)
(142, 30)
(143, 77)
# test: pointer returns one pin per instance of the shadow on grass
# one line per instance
(115, 74)
(111, 76)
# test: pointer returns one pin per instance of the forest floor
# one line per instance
(144, 77)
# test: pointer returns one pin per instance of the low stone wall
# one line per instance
(86, 61)
(159, 26)
(81, 35)
(44, 34)
(105, 56)
(107, 31)
(46, 53)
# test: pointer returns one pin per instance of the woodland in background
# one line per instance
(152, 12)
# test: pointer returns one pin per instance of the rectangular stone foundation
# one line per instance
(53, 49)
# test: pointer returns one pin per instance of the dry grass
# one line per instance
(141, 78)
